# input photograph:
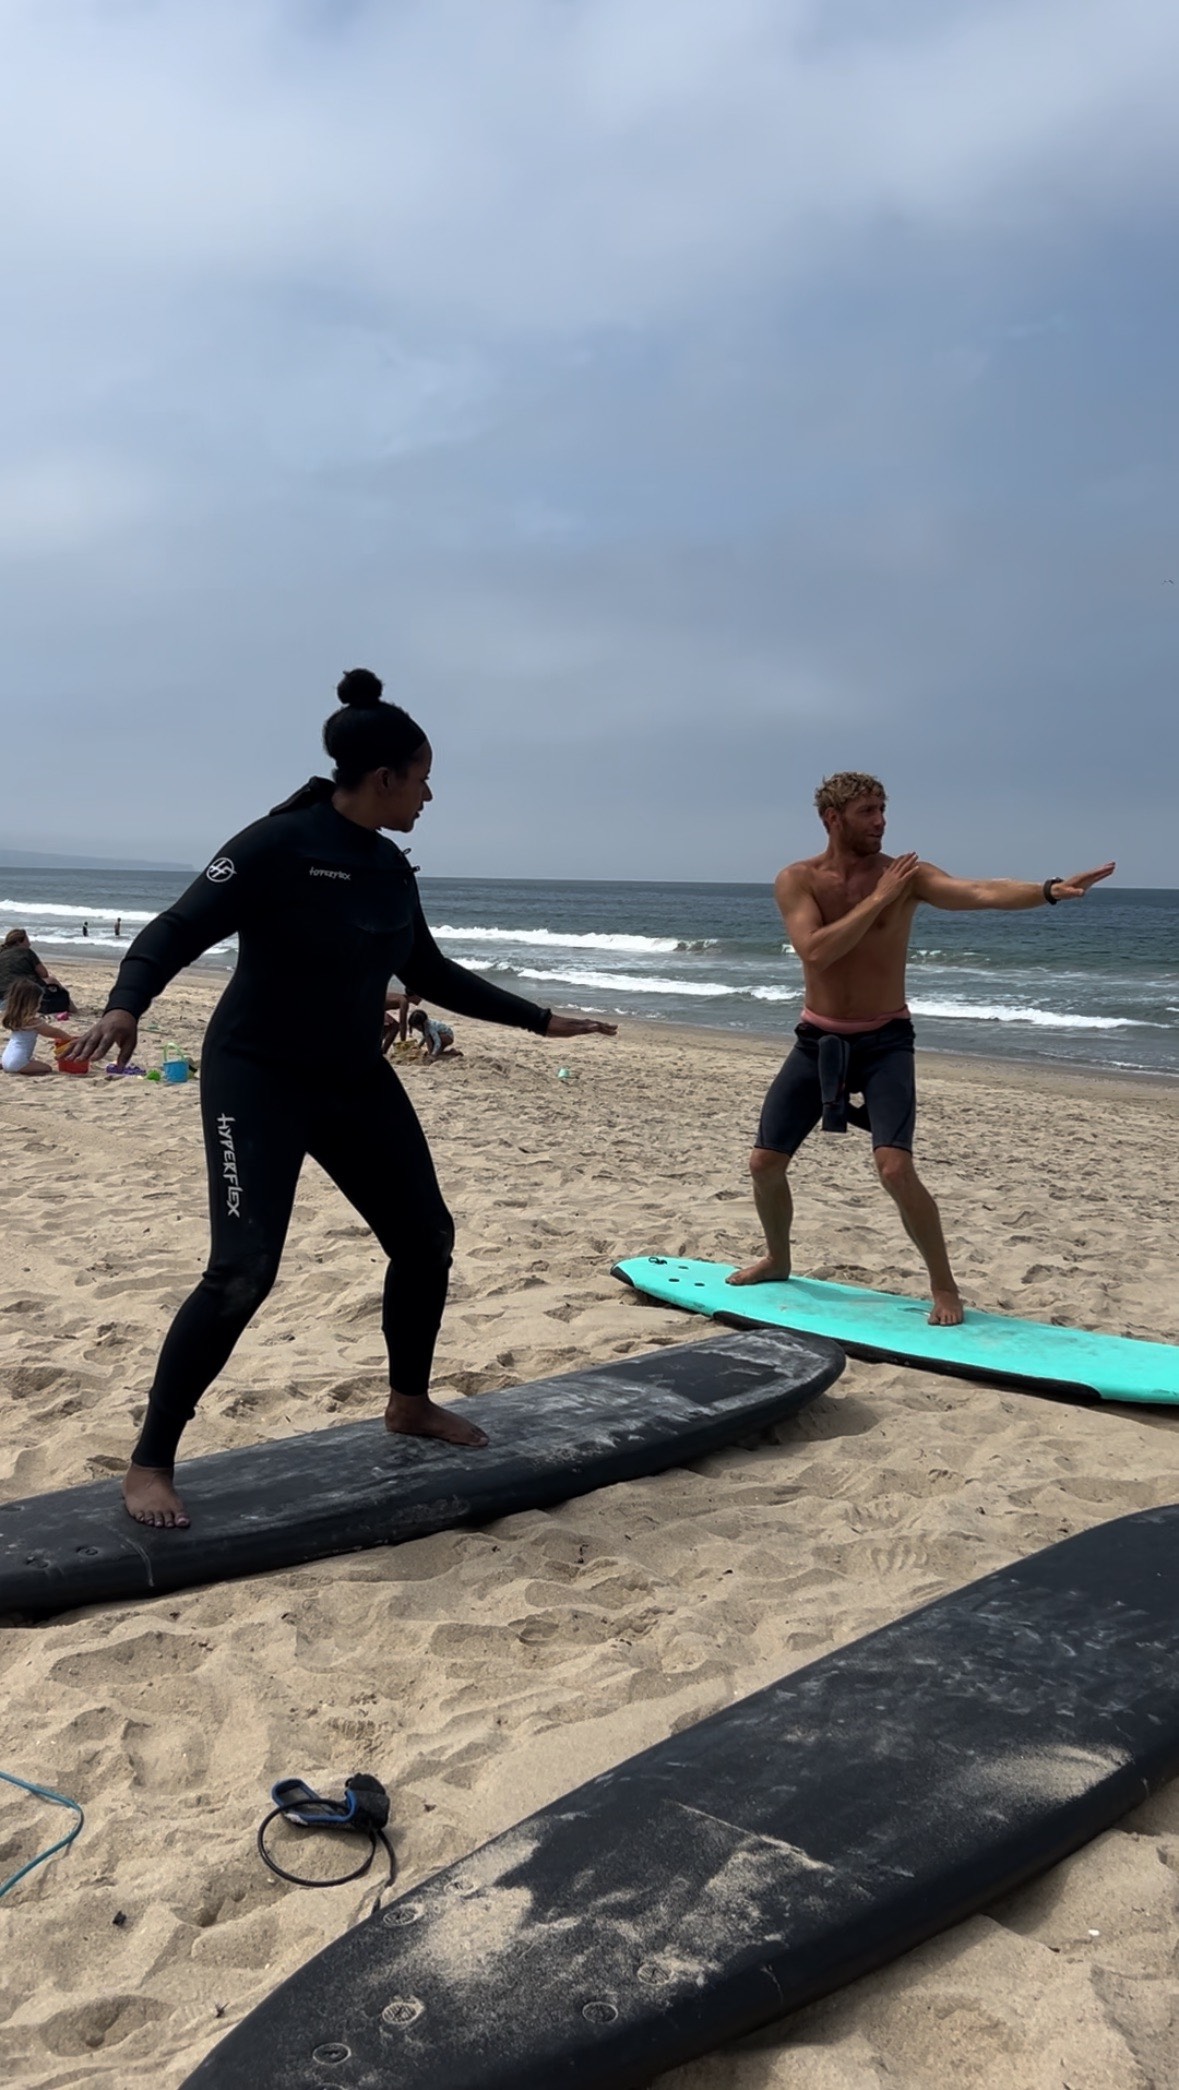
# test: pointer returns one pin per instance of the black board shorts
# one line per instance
(881, 1068)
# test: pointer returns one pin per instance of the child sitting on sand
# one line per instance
(21, 1017)
(436, 1039)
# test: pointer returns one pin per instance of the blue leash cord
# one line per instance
(43, 1792)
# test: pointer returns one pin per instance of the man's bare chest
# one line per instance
(835, 899)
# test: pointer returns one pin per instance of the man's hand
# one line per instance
(897, 882)
(1076, 887)
(116, 1028)
(578, 1027)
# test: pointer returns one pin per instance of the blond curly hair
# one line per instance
(835, 793)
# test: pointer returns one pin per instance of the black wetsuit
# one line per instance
(308, 893)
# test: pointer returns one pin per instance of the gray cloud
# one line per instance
(673, 400)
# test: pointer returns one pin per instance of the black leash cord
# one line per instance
(375, 1837)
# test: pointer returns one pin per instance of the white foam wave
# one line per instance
(51, 939)
(625, 983)
(34, 909)
(568, 940)
(715, 990)
(1010, 1012)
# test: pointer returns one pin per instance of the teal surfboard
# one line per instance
(1069, 1362)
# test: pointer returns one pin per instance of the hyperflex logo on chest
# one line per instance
(321, 871)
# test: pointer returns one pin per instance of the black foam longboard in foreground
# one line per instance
(764, 1857)
(340, 1490)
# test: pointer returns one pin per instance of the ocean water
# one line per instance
(1094, 982)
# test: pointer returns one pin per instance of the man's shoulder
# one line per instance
(800, 874)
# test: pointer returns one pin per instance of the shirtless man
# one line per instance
(849, 914)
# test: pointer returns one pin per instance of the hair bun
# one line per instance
(360, 688)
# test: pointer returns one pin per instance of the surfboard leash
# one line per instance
(363, 1811)
(58, 1799)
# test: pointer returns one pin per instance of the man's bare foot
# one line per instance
(947, 1310)
(407, 1416)
(149, 1497)
(767, 1270)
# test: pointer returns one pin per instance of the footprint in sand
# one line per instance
(101, 2024)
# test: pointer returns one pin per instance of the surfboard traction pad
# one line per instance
(1110, 1369)
(765, 1857)
(344, 1489)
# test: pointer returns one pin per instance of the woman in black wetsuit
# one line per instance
(315, 874)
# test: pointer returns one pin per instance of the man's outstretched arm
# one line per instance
(957, 895)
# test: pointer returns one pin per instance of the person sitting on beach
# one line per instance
(19, 961)
(316, 873)
(21, 1015)
(436, 1039)
(848, 913)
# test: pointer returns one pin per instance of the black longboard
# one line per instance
(340, 1490)
(764, 1857)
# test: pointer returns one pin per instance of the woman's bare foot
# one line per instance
(150, 1498)
(408, 1415)
(767, 1270)
(947, 1310)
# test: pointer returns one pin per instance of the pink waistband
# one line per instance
(855, 1029)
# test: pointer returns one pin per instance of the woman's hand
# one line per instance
(116, 1029)
(578, 1027)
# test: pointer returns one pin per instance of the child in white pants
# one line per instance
(22, 1019)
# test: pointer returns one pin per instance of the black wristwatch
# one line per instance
(1047, 891)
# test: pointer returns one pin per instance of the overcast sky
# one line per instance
(674, 400)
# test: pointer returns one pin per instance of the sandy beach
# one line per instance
(482, 1673)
